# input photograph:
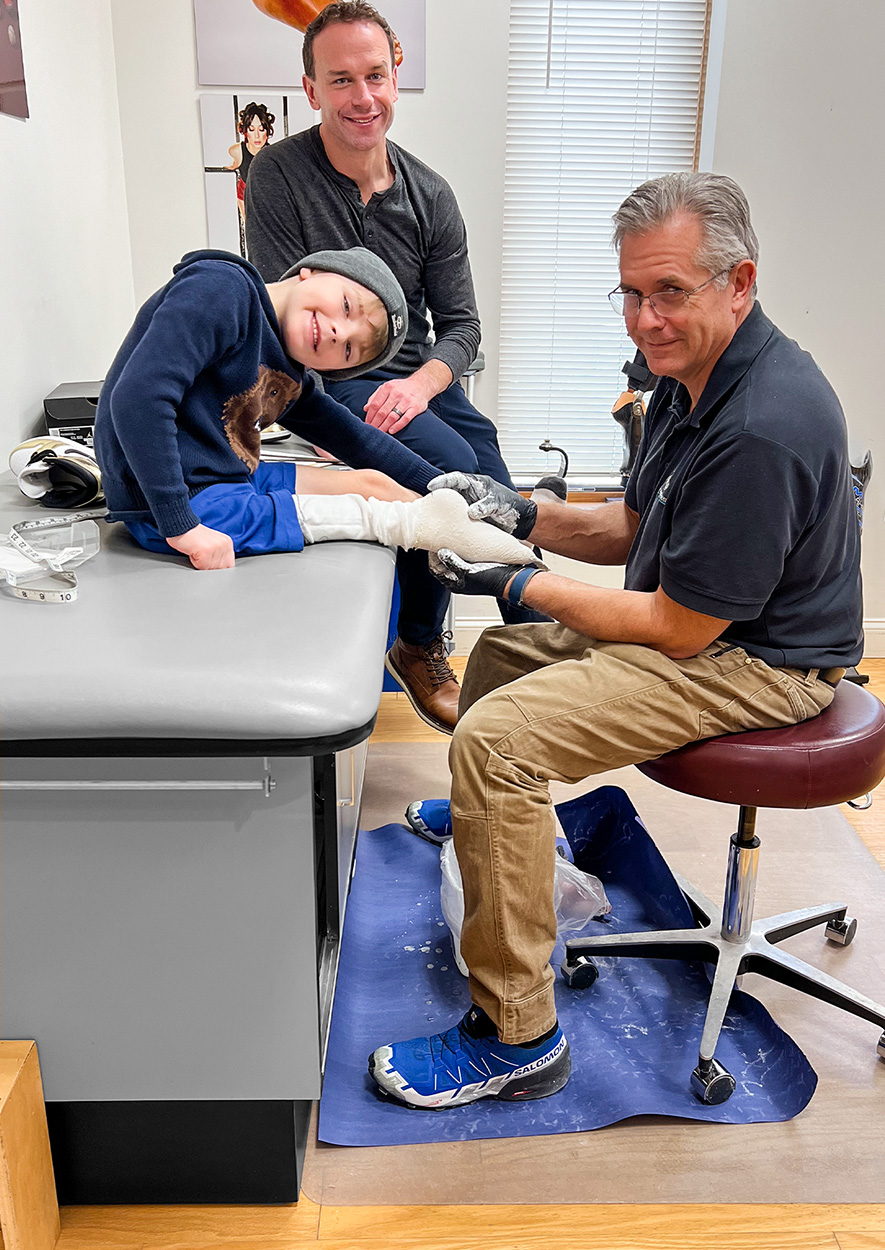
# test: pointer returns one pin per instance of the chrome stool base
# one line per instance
(757, 952)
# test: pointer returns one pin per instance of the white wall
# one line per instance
(65, 269)
(159, 119)
(800, 128)
(457, 126)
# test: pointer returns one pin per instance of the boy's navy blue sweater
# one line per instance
(199, 375)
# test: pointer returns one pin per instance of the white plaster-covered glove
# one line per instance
(490, 501)
(443, 521)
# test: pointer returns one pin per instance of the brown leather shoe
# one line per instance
(427, 678)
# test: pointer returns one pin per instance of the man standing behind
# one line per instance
(342, 184)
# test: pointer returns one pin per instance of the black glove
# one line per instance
(472, 579)
(490, 501)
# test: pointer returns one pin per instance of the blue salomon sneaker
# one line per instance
(468, 1062)
(431, 819)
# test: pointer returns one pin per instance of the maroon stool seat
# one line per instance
(833, 758)
(829, 759)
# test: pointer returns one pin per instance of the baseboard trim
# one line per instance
(467, 630)
(874, 637)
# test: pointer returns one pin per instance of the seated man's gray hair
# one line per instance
(716, 200)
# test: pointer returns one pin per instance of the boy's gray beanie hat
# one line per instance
(363, 266)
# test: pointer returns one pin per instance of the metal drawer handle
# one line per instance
(267, 785)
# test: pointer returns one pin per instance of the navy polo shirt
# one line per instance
(746, 506)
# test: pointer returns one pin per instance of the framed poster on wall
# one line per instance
(13, 93)
(235, 128)
(259, 41)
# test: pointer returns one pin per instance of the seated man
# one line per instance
(742, 610)
(342, 184)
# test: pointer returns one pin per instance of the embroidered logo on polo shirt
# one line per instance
(664, 488)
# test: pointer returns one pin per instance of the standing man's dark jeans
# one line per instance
(452, 435)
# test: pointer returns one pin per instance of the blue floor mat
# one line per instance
(634, 1035)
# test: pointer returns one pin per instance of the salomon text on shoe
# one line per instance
(467, 1063)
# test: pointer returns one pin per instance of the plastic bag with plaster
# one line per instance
(578, 897)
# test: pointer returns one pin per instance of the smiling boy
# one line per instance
(328, 321)
(216, 356)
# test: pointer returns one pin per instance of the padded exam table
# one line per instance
(182, 762)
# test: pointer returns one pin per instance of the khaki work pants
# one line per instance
(541, 703)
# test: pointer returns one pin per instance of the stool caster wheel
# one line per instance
(712, 1083)
(880, 1049)
(841, 931)
(580, 973)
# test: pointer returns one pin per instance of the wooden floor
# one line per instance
(621, 1227)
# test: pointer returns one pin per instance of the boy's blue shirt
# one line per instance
(200, 374)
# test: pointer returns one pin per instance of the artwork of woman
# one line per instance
(256, 127)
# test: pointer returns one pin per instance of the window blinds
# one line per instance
(601, 96)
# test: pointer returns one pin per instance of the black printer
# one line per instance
(69, 411)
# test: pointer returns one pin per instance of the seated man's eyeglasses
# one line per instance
(665, 303)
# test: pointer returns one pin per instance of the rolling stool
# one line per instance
(829, 759)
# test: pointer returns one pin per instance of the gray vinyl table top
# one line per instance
(282, 649)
